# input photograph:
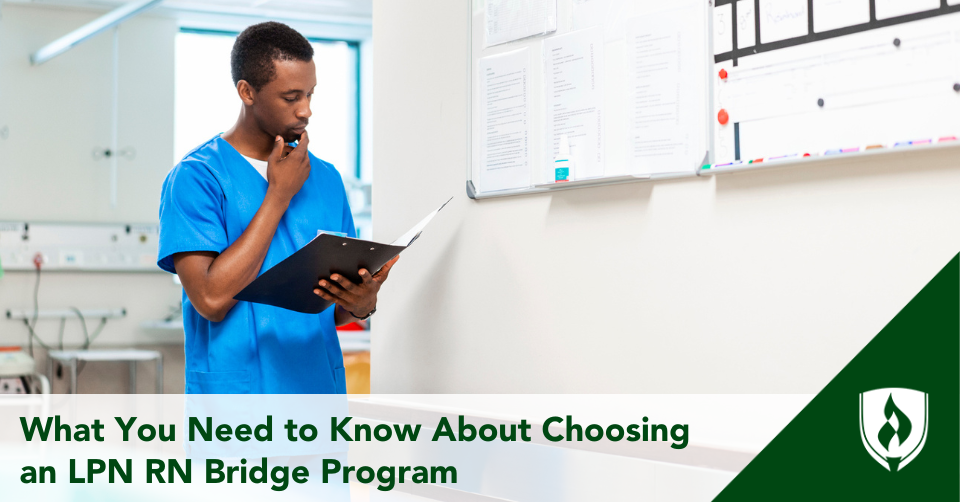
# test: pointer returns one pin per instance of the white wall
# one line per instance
(755, 282)
(59, 112)
(56, 114)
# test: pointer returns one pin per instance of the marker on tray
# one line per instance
(836, 151)
(779, 157)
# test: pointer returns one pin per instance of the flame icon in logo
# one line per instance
(899, 428)
(886, 429)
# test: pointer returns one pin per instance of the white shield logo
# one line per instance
(893, 425)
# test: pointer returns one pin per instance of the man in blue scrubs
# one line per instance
(239, 204)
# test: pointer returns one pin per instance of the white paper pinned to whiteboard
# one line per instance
(664, 98)
(509, 20)
(504, 109)
(573, 84)
(833, 14)
(722, 29)
(782, 20)
(893, 8)
(746, 24)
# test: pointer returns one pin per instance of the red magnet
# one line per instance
(723, 74)
(723, 117)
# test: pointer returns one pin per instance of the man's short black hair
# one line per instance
(259, 46)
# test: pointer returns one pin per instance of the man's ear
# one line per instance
(246, 92)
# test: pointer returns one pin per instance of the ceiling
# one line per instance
(337, 11)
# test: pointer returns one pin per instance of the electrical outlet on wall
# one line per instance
(71, 258)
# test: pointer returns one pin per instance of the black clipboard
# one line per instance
(290, 283)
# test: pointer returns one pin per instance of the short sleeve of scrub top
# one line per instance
(192, 214)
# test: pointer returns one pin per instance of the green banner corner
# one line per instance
(887, 427)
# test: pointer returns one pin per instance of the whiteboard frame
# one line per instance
(471, 189)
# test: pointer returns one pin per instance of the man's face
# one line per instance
(282, 107)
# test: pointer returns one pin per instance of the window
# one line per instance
(206, 101)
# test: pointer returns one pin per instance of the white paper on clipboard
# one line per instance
(412, 234)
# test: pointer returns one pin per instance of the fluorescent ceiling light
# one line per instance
(106, 21)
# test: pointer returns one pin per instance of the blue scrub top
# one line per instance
(208, 200)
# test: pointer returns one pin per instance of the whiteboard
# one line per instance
(614, 21)
(833, 77)
(785, 81)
